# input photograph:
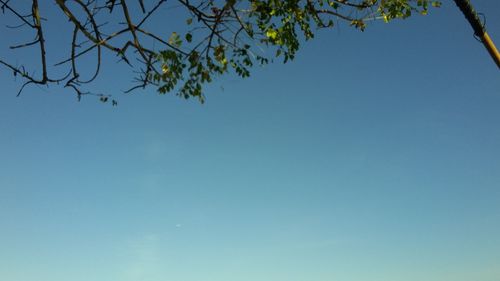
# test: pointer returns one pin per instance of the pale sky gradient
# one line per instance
(374, 156)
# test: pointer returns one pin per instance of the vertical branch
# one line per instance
(38, 26)
(132, 29)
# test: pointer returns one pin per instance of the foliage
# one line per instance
(217, 36)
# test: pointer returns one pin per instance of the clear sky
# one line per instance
(373, 156)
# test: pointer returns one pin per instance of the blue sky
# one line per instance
(373, 156)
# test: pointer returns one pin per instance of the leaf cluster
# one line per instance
(216, 38)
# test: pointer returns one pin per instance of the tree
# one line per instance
(213, 38)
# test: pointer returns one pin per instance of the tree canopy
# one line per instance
(209, 37)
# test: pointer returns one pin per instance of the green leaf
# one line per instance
(175, 40)
(271, 33)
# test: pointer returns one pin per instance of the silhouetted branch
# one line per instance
(221, 35)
